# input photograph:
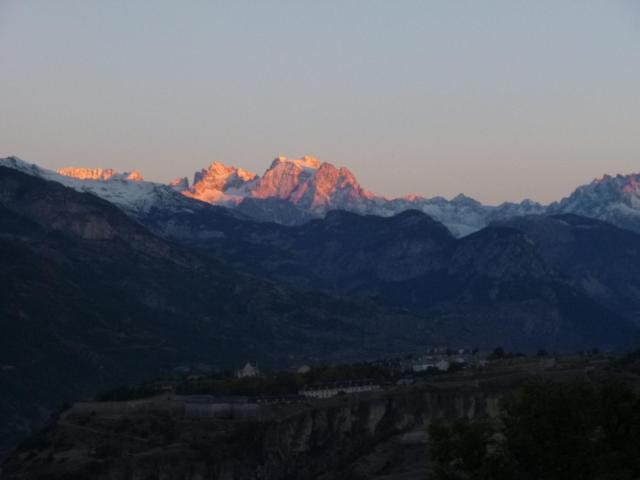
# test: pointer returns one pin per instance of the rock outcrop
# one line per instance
(347, 437)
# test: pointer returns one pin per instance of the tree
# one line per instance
(547, 432)
(497, 354)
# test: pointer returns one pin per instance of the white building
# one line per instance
(248, 371)
(441, 365)
(423, 367)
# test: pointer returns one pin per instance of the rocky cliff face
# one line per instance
(347, 437)
(305, 183)
(311, 185)
(220, 184)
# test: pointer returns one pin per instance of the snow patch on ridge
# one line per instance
(126, 191)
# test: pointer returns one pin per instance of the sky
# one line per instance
(498, 99)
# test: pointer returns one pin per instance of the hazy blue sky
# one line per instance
(498, 99)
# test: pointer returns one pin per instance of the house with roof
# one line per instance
(248, 371)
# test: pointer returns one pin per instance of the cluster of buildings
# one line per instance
(431, 364)
(436, 359)
(318, 390)
(328, 390)
(250, 370)
(440, 359)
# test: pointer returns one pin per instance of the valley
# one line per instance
(112, 280)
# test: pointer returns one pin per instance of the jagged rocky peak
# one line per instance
(222, 177)
(310, 184)
(284, 177)
(626, 185)
(133, 175)
(179, 184)
(220, 184)
(84, 173)
(462, 199)
(632, 184)
(305, 182)
(304, 162)
(608, 188)
(338, 185)
(615, 199)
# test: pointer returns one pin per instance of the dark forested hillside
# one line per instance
(497, 285)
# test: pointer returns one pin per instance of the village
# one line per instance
(397, 371)
(249, 393)
(202, 416)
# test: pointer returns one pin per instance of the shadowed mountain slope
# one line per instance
(601, 258)
(495, 286)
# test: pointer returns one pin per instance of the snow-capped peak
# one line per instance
(615, 199)
(179, 184)
(25, 167)
(220, 184)
(311, 185)
(83, 173)
(222, 177)
(127, 191)
(304, 162)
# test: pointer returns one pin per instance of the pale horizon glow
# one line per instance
(499, 100)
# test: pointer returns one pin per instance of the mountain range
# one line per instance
(110, 279)
(293, 191)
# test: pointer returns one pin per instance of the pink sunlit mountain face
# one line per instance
(311, 185)
(292, 191)
(218, 184)
(83, 173)
(306, 183)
